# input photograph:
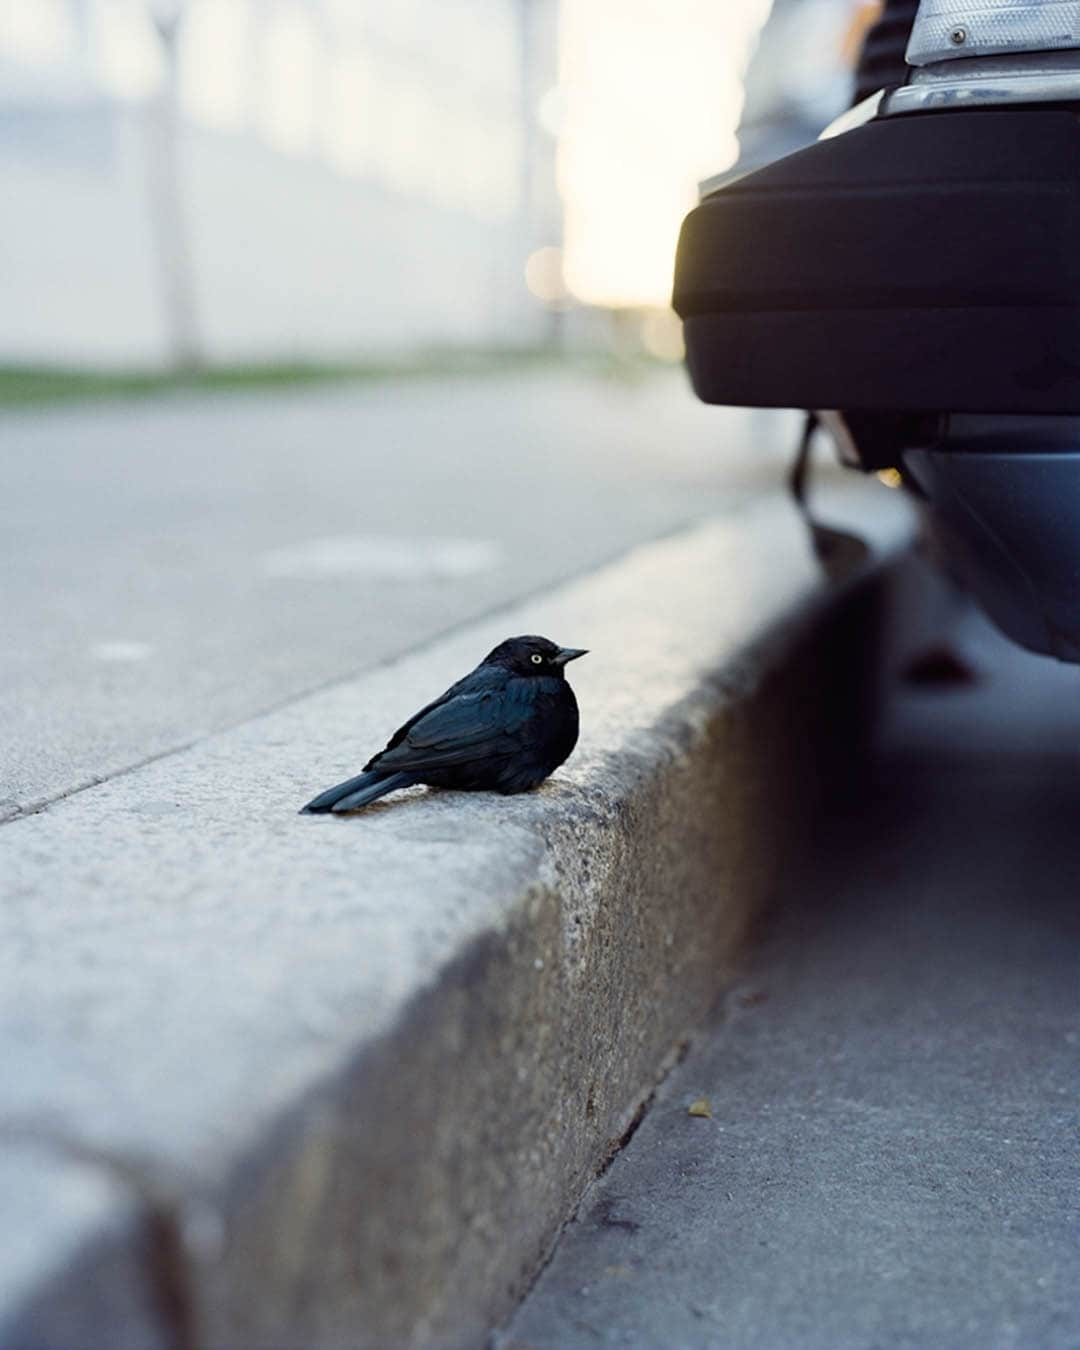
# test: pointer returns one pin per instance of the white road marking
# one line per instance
(387, 557)
(121, 651)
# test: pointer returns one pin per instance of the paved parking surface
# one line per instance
(175, 566)
(893, 1153)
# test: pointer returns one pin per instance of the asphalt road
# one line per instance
(175, 566)
(891, 1156)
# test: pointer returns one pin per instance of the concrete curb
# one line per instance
(278, 1080)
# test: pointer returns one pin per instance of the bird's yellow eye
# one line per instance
(536, 658)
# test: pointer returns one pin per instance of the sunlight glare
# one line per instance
(127, 51)
(215, 76)
(287, 80)
(37, 34)
(652, 98)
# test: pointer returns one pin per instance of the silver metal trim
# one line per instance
(965, 94)
(864, 111)
(977, 82)
(722, 179)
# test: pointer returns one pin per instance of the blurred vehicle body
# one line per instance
(913, 278)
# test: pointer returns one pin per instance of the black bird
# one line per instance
(503, 728)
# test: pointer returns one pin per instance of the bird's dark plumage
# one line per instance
(503, 728)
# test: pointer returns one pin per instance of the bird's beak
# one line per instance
(566, 654)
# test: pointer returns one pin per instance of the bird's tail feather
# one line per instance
(358, 791)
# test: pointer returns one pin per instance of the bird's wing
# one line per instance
(477, 681)
(457, 730)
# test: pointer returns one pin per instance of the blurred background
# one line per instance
(194, 182)
(391, 282)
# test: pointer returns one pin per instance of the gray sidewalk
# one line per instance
(893, 1155)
